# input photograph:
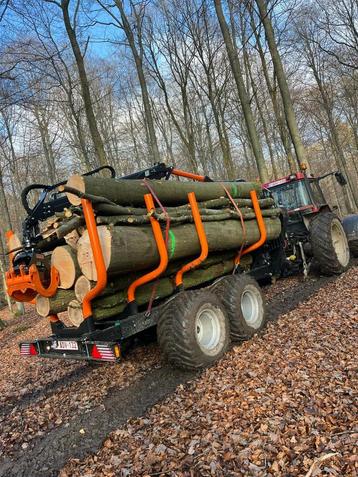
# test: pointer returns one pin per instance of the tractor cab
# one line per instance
(297, 193)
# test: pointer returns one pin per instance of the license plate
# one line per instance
(66, 345)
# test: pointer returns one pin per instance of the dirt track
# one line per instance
(53, 411)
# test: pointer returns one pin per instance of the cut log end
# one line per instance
(75, 314)
(85, 255)
(56, 304)
(42, 305)
(76, 182)
(65, 261)
(82, 287)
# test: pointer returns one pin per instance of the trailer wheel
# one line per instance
(193, 330)
(329, 244)
(244, 305)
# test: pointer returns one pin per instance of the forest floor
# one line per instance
(281, 404)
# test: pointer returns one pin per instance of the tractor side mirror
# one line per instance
(340, 178)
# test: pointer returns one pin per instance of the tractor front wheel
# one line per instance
(329, 244)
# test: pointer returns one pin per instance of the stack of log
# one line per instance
(128, 244)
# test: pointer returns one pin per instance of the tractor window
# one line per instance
(316, 193)
(291, 195)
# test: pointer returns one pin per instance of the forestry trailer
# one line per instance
(143, 251)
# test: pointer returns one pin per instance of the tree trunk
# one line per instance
(259, 109)
(243, 96)
(3, 282)
(138, 59)
(42, 125)
(282, 82)
(339, 154)
(86, 93)
(273, 95)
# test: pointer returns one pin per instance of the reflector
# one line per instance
(28, 349)
(95, 353)
(33, 350)
(104, 352)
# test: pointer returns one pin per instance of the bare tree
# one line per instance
(132, 25)
(71, 30)
(282, 82)
(244, 99)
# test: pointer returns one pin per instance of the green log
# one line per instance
(114, 304)
(111, 209)
(117, 283)
(131, 192)
(127, 249)
(207, 215)
(56, 304)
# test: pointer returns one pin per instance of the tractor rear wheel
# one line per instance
(193, 330)
(244, 304)
(329, 244)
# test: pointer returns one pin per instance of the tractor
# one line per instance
(313, 232)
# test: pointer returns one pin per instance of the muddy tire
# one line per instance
(329, 244)
(244, 304)
(193, 330)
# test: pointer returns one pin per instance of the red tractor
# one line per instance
(313, 233)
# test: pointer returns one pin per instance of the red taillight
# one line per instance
(33, 350)
(95, 353)
(28, 349)
(102, 352)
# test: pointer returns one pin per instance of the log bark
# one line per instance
(206, 216)
(112, 305)
(112, 209)
(56, 304)
(122, 282)
(64, 259)
(131, 192)
(67, 227)
(126, 249)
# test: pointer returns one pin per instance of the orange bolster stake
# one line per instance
(188, 175)
(261, 226)
(202, 240)
(98, 258)
(162, 249)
